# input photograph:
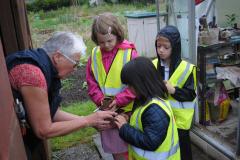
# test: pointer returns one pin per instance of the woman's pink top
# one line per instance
(94, 91)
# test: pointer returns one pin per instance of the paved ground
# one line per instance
(199, 154)
(93, 151)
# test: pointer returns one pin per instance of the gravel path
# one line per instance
(79, 152)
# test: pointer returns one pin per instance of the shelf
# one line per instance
(211, 56)
(213, 80)
(220, 44)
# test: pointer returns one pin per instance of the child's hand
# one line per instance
(112, 106)
(170, 88)
(126, 116)
(105, 104)
(119, 121)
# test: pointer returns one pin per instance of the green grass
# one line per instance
(84, 135)
(77, 19)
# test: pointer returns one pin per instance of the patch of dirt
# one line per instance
(77, 90)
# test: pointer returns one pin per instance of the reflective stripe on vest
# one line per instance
(181, 79)
(159, 153)
(183, 105)
(110, 84)
(181, 74)
(155, 155)
(111, 91)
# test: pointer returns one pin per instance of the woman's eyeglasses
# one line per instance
(75, 63)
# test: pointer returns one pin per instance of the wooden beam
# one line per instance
(21, 24)
(14, 27)
(7, 28)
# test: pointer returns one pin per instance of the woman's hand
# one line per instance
(170, 88)
(120, 120)
(100, 120)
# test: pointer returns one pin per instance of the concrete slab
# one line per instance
(98, 144)
(197, 153)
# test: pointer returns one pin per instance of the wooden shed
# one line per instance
(14, 36)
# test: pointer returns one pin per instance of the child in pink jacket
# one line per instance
(108, 34)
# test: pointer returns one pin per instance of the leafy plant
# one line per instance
(67, 83)
(231, 19)
(46, 5)
(84, 85)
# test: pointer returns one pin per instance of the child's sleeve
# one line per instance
(94, 90)
(155, 122)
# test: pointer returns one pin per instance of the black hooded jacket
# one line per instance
(187, 93)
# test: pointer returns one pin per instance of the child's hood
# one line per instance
(126, 45)
(173, 35)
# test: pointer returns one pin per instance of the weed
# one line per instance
(67, 83)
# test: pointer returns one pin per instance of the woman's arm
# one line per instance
(64, 116)
(37, 107)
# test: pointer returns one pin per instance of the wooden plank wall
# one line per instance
(14, 36)
(11, 143)
(14, 26)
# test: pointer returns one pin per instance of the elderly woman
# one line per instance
(35, 78)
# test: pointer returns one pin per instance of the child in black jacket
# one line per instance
(157, 125)
(180, 79)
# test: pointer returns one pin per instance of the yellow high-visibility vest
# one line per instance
(169, 149)
(110, 83)
(183, 111)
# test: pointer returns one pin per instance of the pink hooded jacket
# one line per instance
(94, 91)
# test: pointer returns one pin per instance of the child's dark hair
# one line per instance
(141, 74)
(107, 23)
